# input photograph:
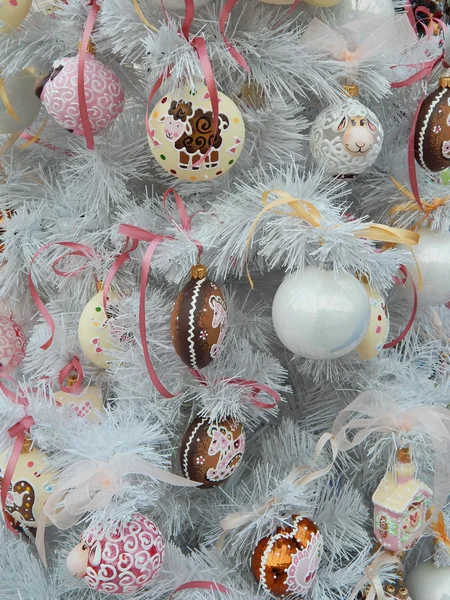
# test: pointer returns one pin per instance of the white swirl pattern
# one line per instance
(105, 97)
(126, 558)
(12, 345)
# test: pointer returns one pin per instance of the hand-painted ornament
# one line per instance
(199, 320)
(433, 257)
(378, 330)
(20, 101)
(286, 562)
(400, 503)
(31, 485)
(319, 315)
(432, 133)
(94, 330)
(179, 4)
(13, 13)
(429, 582)
(105, 97)
(13, 344)
(121, 559)
(346, 138)
(210, 452)
(87, 404)
(181, 127)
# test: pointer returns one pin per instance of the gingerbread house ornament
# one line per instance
(400, 503)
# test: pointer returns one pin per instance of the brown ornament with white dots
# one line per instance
(286, 562)
(199, 320)
(31, 485)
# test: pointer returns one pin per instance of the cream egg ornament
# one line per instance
(87, 404)
(13, 13)
(181, 134)
(346, 138)
(31, 485)
(94, 330)
(433, 257)
(22, 102)
(319, 315)
(378, 330)
(429, 582)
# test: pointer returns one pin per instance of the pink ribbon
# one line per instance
(84, 116)
(408, 326)
(73, 366)
(136, 234)
(90, 485)
(16, 431)
(201, 585)
(255, 387)
(77, 250)
(425, 71)
(224, 14)
(429, 30)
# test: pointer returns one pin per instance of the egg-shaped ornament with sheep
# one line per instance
(346, 138)
(121, 558)
(183, 138)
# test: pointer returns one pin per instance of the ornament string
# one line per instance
(255, 389)
(201, 585)
(84, 115)
(77, 250)
(91, 485)
(372, 577)
(74, 366)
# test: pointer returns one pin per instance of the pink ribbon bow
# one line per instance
(90, 485)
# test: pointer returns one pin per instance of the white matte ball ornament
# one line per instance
(320, 316)
(182, 134)
(433, 257)
(429, 582)
(19, 89)
(13, 13)
(94, 331)
(378, 330)
(346, 138)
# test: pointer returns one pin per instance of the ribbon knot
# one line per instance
(413, 205)
(372, 577)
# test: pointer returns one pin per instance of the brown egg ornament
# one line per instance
(199, 320)
(211, 452)
(432, 133)
(286, 562)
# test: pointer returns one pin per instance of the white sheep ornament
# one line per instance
(346, 138)
(118, 559)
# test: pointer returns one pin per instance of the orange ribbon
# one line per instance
(440, 531)
(142, 16)
(306, 211)
(427, 208)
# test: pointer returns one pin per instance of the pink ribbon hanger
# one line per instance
(74, 366)
(84, 116)
(408, 326)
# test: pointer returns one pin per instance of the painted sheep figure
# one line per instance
(346, 138)
(121, 559)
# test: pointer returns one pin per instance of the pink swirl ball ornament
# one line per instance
(12, 345)
(121, 559)
(105, 97)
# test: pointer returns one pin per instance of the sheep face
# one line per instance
(346, 138)
(358, 134)
(173, 129)
(77, 560)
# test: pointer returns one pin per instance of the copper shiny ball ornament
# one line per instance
(286, 562)
(432, 132)
(199, 320)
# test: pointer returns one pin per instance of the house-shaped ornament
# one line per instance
(400, 503)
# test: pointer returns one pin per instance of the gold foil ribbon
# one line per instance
(413, 206)
(142, 16)
(304, 210)
(6, 102)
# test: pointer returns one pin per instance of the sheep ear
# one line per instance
(343, 124)
(371, 126)
(95, 554)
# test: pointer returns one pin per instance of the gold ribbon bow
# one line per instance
(304, 210)
(428, 207)
(142, 16)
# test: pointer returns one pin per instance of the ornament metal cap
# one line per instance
(403, 593)
(390, 589)
(27, 443)
(198, 272)
(72, 379)
(352, 91)
(403, 455)
(444, 82)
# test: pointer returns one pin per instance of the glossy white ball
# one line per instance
(19, 89)
(346, 138)
(319, 315)
(433, 257)
(428, 582)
